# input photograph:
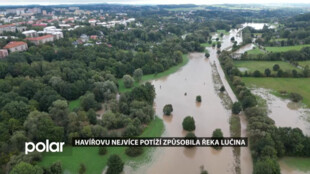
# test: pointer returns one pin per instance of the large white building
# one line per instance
(30, 33)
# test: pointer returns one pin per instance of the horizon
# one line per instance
(148, 2)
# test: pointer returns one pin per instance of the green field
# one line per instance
(299, 85)
(186, 9)
(286, 48)
(252, 66)
(304, 63)
(255, 51)
(302, 164)
(208, 44)
(74, 104)
(72, 157)
(222, 31)
(155, 76)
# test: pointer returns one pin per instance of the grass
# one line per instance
(302, 164)
(222, 31)
(299, 85)
(255, 51)
(304, 63)
(252, 66)
(286, 48)
(235, 126)
(74, 104)
(208, 44)
(154, 76)
(72, 157)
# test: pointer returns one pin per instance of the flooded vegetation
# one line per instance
(204, 77)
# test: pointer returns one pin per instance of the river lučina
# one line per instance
(180, 89)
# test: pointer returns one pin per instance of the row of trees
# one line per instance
(267, 141)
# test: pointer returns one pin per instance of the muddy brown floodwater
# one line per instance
(195, 78)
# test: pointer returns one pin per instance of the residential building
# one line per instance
(7, 28)
(41, 39)
(16, 46)
(30, 33)
(84, 38)
(3, 53)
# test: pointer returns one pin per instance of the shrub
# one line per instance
(190, 135)
(115, 165)
(198, 98)
(222, 89)
(295, 97)
(217, 133)
(236, 108)
(128, 81)
(102, 150)
(189, 123)
(134, 151)
(168, 109)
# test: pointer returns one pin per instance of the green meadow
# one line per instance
(255, 51)
(286, 48)
(304, 63)
(302, 164)
(299, 85)
(252, 66)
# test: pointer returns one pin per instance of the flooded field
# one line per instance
(284, 112)
(180, 89)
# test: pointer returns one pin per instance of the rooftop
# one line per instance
(40, 38)
(14, 44)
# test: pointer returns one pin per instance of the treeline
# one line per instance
(267, 142)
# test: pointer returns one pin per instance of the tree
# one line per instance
(189, 123)
(249, 101)
(88, 101)
(266, 166)
(190, 135)
(257, 73)
(102, 150)
(92, 117)
(236, 108)
(82, 169)
(198, 98)
(218, 45)
(128, 81)
(222, 89)
(168, 109)
(267, 72)
(217, 133)
(17, 109)
(26, 168)
(104, 91)
(59, 112)
(115, 165)
(276, 67)
(134, 151)
(39, 127)
(295, 97)
(56, 168)
(232, 39)
(137, 74)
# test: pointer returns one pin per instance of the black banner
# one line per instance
(162, 142)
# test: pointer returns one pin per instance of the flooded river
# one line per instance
(180, 89)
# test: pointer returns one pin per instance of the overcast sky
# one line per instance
(51, 2)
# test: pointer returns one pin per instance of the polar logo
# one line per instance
(44, 147)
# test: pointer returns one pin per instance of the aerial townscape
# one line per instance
(184, 71)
